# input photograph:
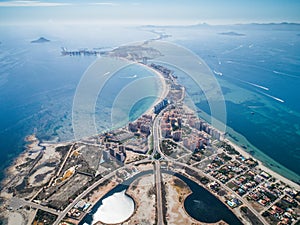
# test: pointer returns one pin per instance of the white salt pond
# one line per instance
(114, 209)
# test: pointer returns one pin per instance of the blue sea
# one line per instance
(259, 73)
(38, 84)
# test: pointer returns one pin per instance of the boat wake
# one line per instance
(130, 77)
(285, 74)
(254, 107)
(255, 85)
(275, 98)
(232, 50)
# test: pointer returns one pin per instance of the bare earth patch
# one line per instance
(176, 192)
(143, 193)
(15, 218)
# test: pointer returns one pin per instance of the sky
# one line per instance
(163, 12)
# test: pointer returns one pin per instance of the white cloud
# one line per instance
(30, 4)
(33, 3)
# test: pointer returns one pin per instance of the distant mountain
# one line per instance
(176, 26)
(276, 24)
(40, 40)
(231, 33)
(255, 26)
(273, 26)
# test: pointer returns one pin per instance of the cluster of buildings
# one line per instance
(196, 140)
(139, 145)
(225, 172)
(248, 181)
(236, 173)
(142, 126)
(82, 52)
(200, 125)
(284, 216)
(160, 106)
(114, 150)
(286, 208)
(278, 203)
(134, 139)
(199, 136)
(171, 125)
(77, 212)
(165, 71)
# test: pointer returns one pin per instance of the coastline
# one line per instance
(266, 160)
(262, 166)
(243, 152)
(263, 159)
(246, 154)
(164, 88)
(164, 91)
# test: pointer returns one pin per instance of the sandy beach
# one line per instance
(164, 87)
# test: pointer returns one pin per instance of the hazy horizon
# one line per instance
(143, 13)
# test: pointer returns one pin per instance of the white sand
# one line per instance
(164, 87)
(114, 209)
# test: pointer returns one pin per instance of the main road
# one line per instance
(18, 202)
(156, 136)
(159, 206)
(156, 149)
(157, 174)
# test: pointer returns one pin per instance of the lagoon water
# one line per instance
(116, 206)
(204, 207)
(259, 74)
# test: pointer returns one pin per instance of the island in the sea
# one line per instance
(167, 167)
(40, 40)
(231, 33)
